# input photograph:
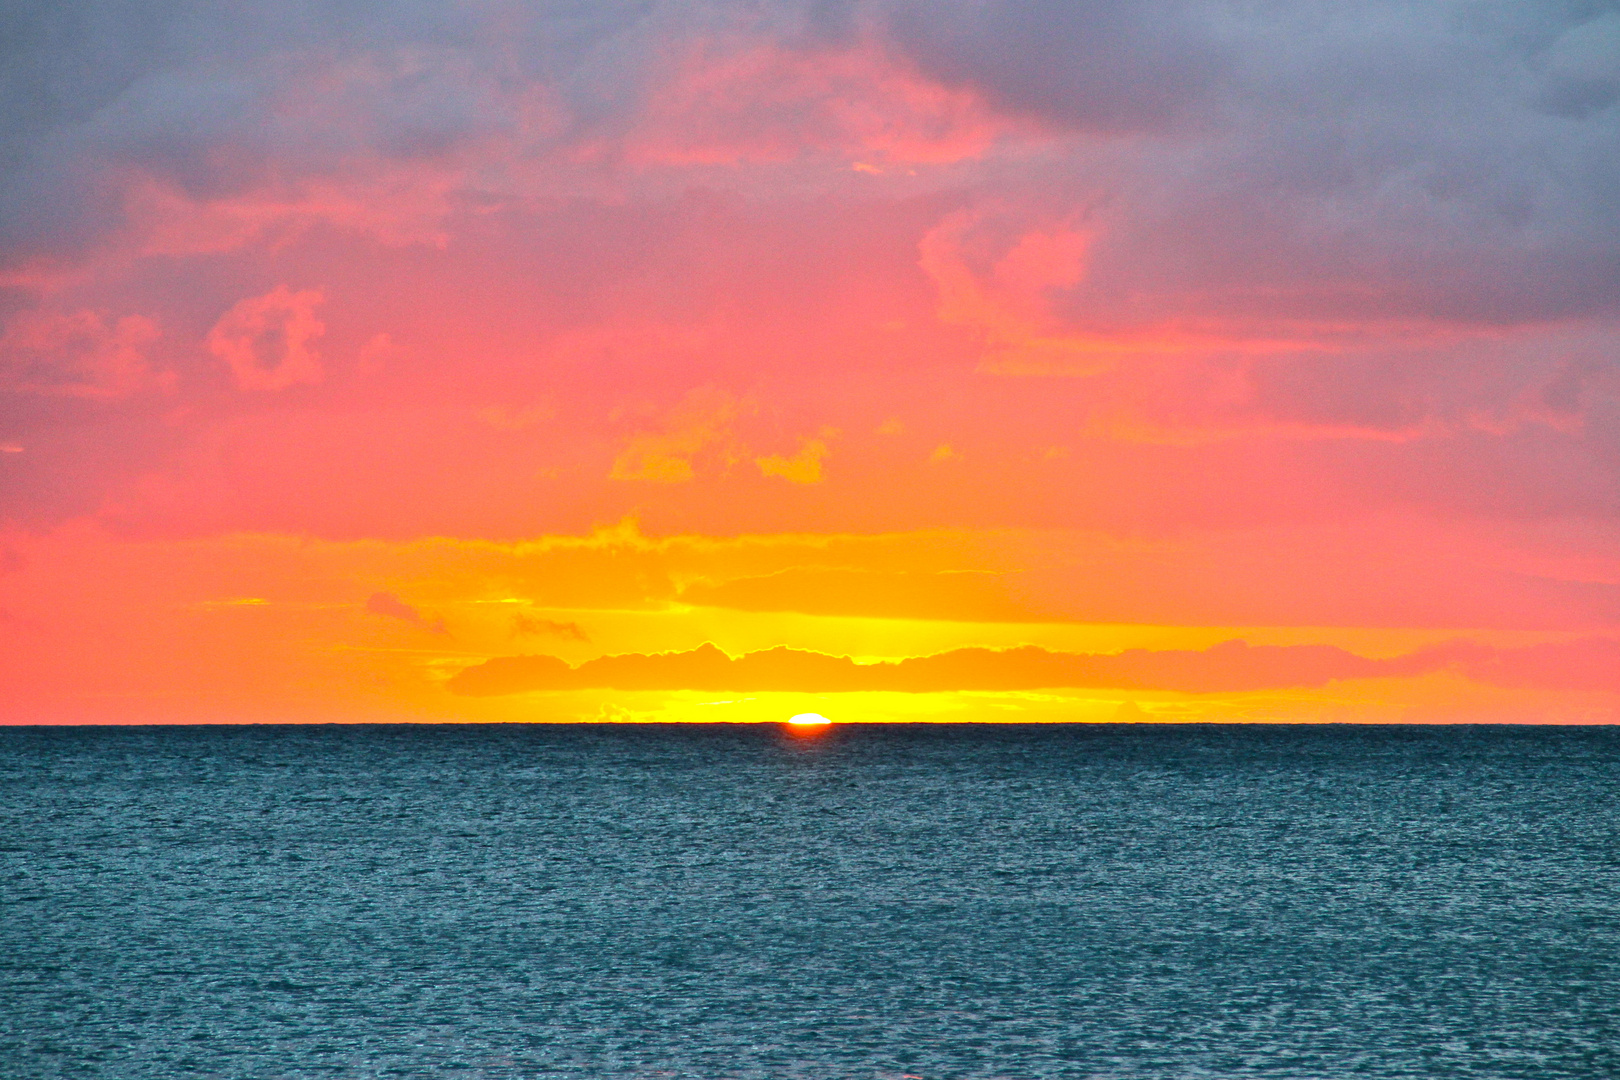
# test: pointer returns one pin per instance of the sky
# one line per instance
(962, 360)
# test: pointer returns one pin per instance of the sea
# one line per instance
(884, 902)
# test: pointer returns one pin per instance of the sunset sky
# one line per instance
(969, 359)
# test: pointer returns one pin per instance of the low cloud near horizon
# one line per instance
(1232, 666)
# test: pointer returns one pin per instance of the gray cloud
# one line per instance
(219, 98)
(1386, 158)
(1093, 65)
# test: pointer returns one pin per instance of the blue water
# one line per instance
(937, 902)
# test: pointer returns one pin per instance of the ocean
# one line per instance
(876, 902)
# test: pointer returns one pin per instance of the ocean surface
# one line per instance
(878, 902)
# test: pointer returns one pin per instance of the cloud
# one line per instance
(803, 467)
(390, 606)
(1105, 66)
(193, 127)
(253, 108)
(1264, 169)
(958, 595)
(1241, 228)
(268, 341)
(701, 422)
(1300, 155)
(534, 626)
(732, 95)
(1580, 71)
(1007, 302)
(1230, 667)
(1586, 664)
(78, 355)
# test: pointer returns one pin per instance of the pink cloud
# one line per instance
(1586, 664)
(738, 98)
(79, 354)
(268, 341)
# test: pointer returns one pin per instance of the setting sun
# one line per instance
(809, 719)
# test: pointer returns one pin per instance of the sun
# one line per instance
(808, 720)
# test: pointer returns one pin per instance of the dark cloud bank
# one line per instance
(1233, 666)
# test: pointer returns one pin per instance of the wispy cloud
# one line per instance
(390, 606)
